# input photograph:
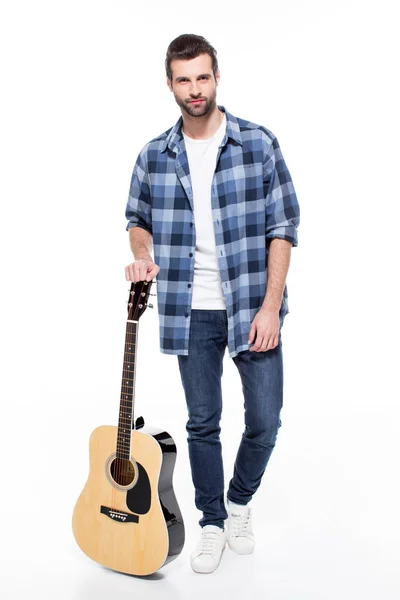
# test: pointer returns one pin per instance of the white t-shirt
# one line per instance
(202, 157)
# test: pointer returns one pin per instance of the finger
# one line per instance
(142, 270)
(272, 342)
(139, 270)
(257, 343)
(131, 273)
(265, 343)
(153, 272)
(268, 339)
(251, 334)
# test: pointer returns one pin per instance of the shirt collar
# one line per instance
(175, 135)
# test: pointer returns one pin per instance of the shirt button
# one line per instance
(189, 285)
(191, 224)
(186, 314)
(190, 254)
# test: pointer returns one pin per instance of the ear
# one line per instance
(217, 76)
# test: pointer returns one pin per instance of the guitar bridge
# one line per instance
(119, 515)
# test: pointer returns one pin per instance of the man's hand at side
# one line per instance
(265, 326)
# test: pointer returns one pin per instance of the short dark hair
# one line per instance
(186, 47)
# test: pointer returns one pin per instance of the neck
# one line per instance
(126, 408)
(202, 128)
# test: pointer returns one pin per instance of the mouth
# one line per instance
(196, 101)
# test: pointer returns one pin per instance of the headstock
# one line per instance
(138, 296)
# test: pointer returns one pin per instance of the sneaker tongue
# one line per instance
(242, 510)
(212, 528)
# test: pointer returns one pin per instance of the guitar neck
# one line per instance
(126, 409)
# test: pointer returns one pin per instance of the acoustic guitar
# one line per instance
(127, 517)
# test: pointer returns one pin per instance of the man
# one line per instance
(214, 197)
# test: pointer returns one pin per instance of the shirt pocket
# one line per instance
(248, 182)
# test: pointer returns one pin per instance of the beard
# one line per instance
(197, 110)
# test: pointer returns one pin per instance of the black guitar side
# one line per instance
(171, 512)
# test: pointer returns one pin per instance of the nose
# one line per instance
(194, 93)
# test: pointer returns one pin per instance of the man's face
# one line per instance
(193, 79)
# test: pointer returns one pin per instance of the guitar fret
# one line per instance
(126, 409)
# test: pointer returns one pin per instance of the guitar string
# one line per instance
(134, 346)
(120, 443)
(136, 333)
(129, 340)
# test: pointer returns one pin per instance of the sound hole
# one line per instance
(122, 471)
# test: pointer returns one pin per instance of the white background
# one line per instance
(83, 89)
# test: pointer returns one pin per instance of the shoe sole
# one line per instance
(212, 571)
(238, 551)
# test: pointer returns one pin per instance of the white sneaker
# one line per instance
(240, 532)
(207, 555)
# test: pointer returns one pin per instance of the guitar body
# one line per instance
(127, 517)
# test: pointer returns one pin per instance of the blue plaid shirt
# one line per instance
(253, 201)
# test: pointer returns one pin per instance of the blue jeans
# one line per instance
(261, 375)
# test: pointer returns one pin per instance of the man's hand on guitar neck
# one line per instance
(142, 269)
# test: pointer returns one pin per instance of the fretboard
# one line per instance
(126, 410)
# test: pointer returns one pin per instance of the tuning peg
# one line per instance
(150, 305)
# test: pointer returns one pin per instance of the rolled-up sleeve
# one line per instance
(281, 204)
(138, 208)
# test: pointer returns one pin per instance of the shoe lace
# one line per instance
(207, 542)
(240, 523)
